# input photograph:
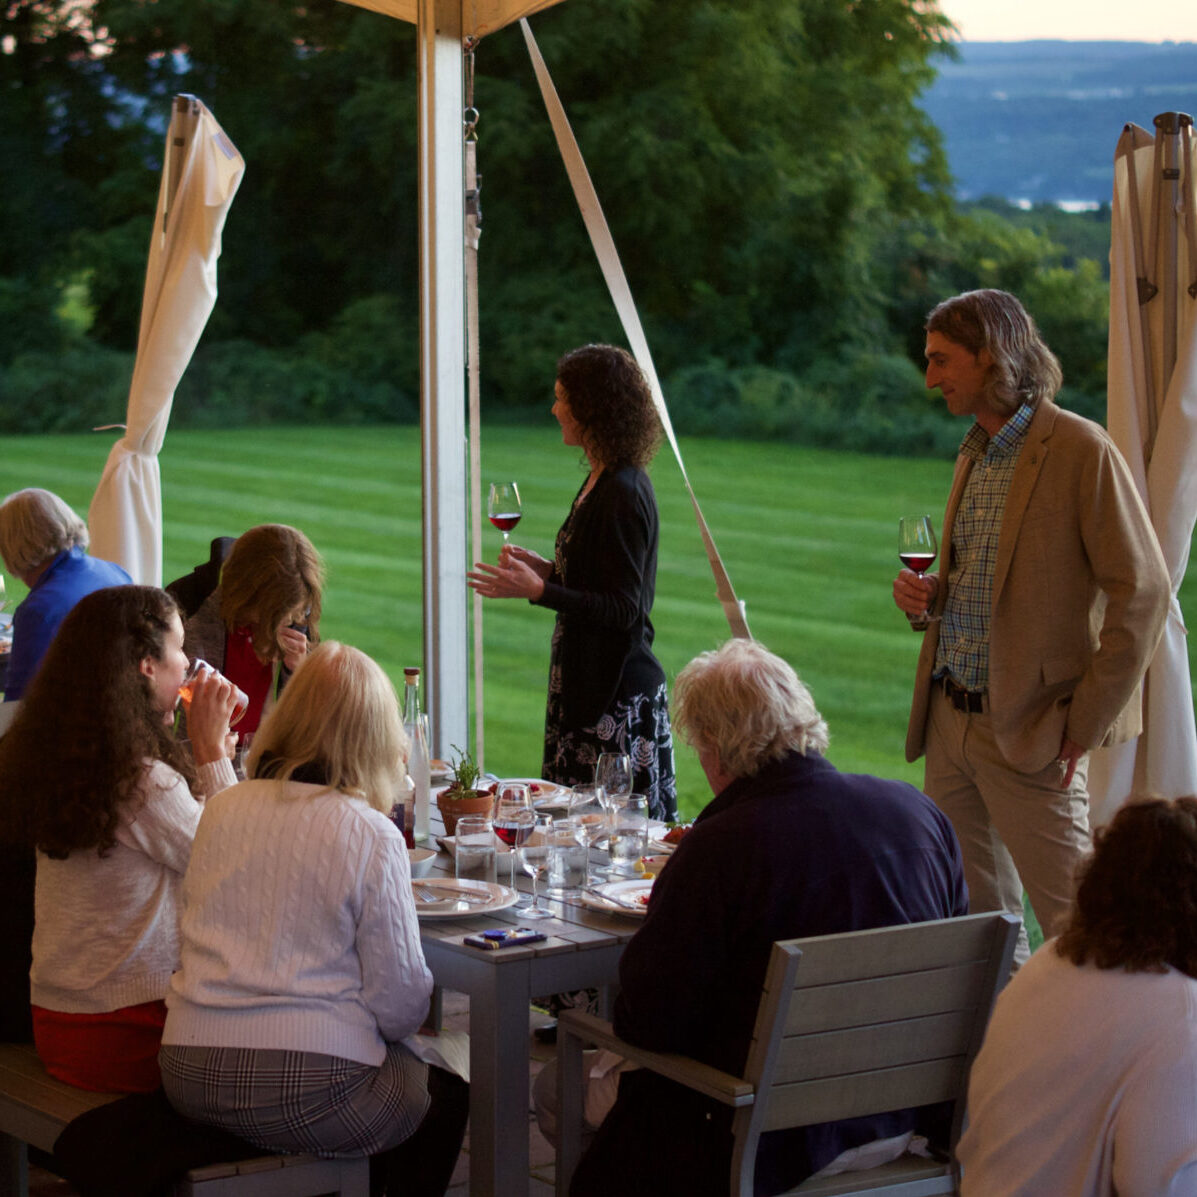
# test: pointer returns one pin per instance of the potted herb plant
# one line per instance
(462, 796)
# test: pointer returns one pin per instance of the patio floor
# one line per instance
(456, 1017)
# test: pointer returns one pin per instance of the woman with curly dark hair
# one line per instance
(606, 688)
(1087, 1081)
(93, 778)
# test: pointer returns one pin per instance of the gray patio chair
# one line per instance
(848, 1025)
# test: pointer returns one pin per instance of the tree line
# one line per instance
(781, 202)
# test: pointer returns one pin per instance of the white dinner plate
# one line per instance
(449, 898)
(620, 897)
(546, 795)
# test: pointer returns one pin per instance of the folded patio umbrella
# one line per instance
(1152, 416)
(201, 171)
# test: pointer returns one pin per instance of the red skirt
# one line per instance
(115, 1052)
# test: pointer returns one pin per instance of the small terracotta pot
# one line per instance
(453, 808)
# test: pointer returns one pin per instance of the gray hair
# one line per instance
(36, 525)
(748, 706)
(1024, 369)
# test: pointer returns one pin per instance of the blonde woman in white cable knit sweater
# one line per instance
(302, 969)
(91, 774)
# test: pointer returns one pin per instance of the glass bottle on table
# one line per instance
(415, 723)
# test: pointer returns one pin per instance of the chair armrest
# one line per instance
(722, 1086)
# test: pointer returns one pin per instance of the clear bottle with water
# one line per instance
(416, 724)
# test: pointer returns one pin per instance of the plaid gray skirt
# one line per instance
(299, 1101)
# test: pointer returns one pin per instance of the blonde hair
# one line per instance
(272, 571)
(36, 525)
(340, 713)
(748, 706)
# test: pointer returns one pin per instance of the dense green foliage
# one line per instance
(779, 198)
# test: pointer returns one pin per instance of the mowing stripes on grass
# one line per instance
(809, 538)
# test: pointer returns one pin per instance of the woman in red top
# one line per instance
(258, 624)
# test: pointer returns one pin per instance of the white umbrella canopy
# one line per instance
(200, 175)
(479, 17)
(1152, 416)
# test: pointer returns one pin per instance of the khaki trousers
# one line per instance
(1016, 830)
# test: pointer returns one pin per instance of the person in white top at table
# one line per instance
(92, 776)
(292, 1020)
(1086, 1083)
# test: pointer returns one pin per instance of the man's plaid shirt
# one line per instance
(963, 650)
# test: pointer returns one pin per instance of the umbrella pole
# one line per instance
(1168, 126)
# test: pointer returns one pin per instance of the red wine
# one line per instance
(513, 834)
(919, 562)
(506, 521)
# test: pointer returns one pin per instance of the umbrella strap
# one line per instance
(473, 231)
(621, 295)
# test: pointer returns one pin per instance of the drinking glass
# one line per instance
(474, 850)
(917, 548)
(199, 666)
(614, 773)
(512, 801)
(568, 858)
(534, 860)
(503, 507)
(589, 807)
(629, 835)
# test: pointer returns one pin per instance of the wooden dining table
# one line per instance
(581, 950)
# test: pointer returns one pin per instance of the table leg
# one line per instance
(499, 1098)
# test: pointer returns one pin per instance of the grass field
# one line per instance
(808, 537)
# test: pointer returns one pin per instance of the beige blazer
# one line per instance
(1080, 591)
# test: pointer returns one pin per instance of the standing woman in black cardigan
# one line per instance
(607, 691)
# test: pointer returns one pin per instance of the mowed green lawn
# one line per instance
(808, 537)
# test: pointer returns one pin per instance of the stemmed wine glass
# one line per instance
(514, 817)
(917, 548)
(503, 507)
(534, 860)
(614, 773)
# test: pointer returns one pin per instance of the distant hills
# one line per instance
(1039, 120)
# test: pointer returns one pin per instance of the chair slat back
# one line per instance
(871, 1021)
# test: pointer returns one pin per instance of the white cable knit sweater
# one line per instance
(299, 927)
(106, 929)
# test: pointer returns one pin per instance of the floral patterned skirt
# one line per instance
(637, 723)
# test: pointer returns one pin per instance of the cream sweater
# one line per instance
(1086, 1086)
(299, 927)
(106, 928)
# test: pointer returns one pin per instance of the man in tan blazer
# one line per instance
(1042, 619)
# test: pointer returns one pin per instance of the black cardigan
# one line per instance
(604, 594)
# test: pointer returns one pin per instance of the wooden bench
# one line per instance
(34, 1109)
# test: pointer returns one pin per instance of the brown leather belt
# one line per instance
(971, 702)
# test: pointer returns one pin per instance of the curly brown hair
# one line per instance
(610, 399)
(76, 753)
(1136, 902)
(272, 571)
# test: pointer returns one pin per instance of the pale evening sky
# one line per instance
(1073, 20)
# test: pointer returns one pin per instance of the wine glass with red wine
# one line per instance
(917, 548)
(514, 817)
(503, 507)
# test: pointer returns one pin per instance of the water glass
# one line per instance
(474, 853)
(589, 808)
(568, 857)
(629, 835)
